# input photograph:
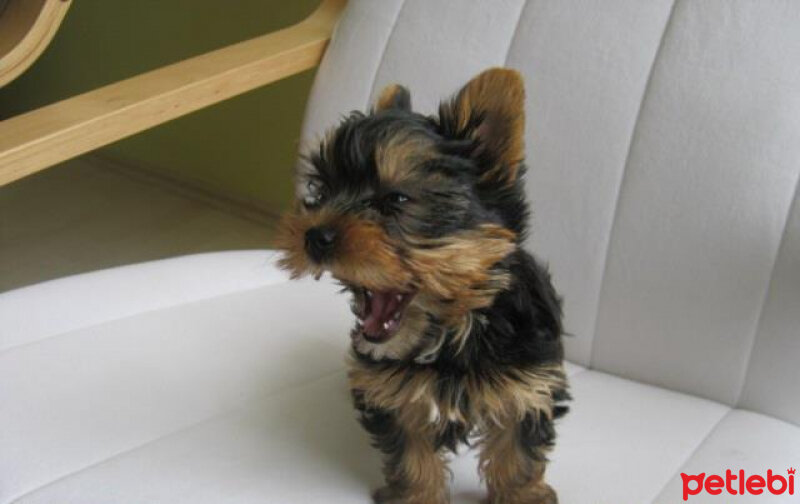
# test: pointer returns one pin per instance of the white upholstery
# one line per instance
(773, 374)
(663, 142)
(702, 210)
(50, 308)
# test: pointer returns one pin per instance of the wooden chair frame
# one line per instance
(36, 140)
(26, 29)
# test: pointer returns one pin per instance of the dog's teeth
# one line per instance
(360, 321)
(400, 298)
(386, 326)
(368, 293)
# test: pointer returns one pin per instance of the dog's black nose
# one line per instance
(320, 242)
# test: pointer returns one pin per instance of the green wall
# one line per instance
(244, 147)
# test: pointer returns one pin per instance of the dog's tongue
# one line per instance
(382, 306)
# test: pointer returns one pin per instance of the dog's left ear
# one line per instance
(489, 110)
(393, 96)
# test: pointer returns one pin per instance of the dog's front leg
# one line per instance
(414, 469)
(513, 460)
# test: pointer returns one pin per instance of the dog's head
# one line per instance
(414, 214)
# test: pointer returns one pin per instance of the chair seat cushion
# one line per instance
(622, 443)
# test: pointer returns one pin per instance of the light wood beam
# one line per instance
(38, 139)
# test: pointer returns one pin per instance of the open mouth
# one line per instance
(380, 313)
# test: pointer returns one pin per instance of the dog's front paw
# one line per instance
(539, 494)
(391, 495)
(546, 495)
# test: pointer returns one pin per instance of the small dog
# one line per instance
(458, 331)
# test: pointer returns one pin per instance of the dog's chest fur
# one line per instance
(507, 367)
(454, 407)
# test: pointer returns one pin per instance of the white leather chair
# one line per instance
(664, 151)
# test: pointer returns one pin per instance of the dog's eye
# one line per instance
(391, 203)
(397, 198)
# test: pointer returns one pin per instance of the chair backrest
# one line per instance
(663, 141)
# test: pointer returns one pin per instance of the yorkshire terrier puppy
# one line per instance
(458, 330)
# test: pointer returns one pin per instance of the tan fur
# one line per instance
(388, 96)
(497, 94)
(512, 478)
(423, 469)
(504, 399)
(420, 477)
(366, 256)
(500, 459)
(455, 268)
(397, 158)
(458, 268)
(290, 237)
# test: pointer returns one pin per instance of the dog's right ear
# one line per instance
(393, 96)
